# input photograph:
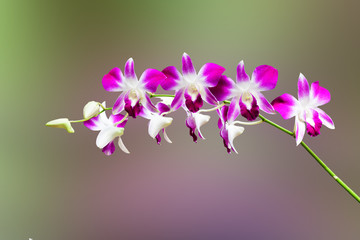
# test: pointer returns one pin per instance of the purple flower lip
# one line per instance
(192, 88)
(308, 116)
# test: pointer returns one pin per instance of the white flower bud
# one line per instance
(61, 123)
(91, 109)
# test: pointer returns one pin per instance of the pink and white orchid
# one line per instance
(194, 121)
(192, 88)
(305, 110)
(158, 122)
(109, 128)
(246, 92)
(133, 90)
(228, 130)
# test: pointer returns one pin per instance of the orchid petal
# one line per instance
(178, 100)
(193, 106)
(233, 132)
(129, 70)
(303, 89)
(223, 89)
(146, 102)
(200, 119)
(265, 77)
(287, 105)
(119, 103)
(166, 136)
(313, 123)
(264, 104)
(299, 130)
(319, 95)
(109, 149)
(163, 108)
(210, 74)
(234, 110)
(122, 146)
(326, 120)
(173, 77)
(248, 107)
(113, 81)
(241, 76)
(208, 96)
(107, 135)
(117, 118)
(157, 123)
(187, 65)
(151, 79)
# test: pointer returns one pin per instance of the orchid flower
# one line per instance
(109, 128)
(133, 90)
(192, 88)
(246, 92)
(228, 130)
(307, 114)
(157, 122)
(194, 121)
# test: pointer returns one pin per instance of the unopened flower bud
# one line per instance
(91, 109)
(61, 123)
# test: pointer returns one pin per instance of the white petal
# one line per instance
(108, 134)
(166, 137)
(157, 123)
(122, 146)
(300, 128)
(233, 132)
(200, 119)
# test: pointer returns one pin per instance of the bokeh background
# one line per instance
(55, 185)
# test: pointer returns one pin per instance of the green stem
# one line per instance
(151, 95)
(311, 152)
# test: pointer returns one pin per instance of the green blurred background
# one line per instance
(55, 185)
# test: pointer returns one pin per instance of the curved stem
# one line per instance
(311, 152)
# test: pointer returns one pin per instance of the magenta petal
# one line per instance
(109, 148)
(241, 75)
(146, 102)
(187, 66)
(211, 73)
(113, 81)
(94, 123)
(190, 123)
(178, 100)
(172, 78)
(119, 104)
(319, 95)
(223, 89)
(158, 138)
(303, 88)
(162, 107)
(222, 112)
(117, 118)
(133, 111)
(265, 77)
(326, 119)
(193, 106)
(209, 97)
(234, 110)
(225, 136)
(252, 113)
(264, 104)
(287, 105)
(314, 130)
(151, 79)
(129, 69)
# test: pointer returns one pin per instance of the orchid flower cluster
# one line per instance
(189, 90)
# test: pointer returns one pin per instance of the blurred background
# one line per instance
(55, 185)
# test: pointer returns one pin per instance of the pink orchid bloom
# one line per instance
(133, 90)
(246, 92)
(305, 110)
(192, 88)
